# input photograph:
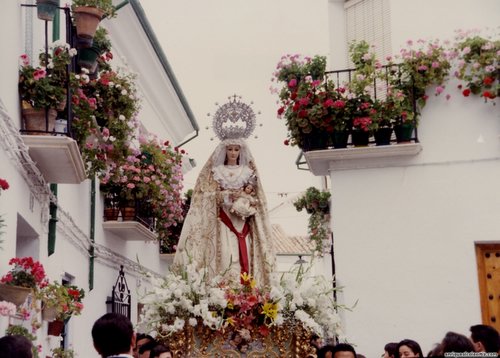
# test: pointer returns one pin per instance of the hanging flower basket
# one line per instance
(49, 313)
(47, 9)
(15, 294)
(86, 21)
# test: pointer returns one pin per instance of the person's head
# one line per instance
(316, 341)
(409, 348)
(160, 351)
(232, 154)
(344, 350)
(140, 340)
(113, 334)
(145, 350)
(455, 342)
(485, 338)
(326, 351)
(15, 346)
(249, 188)
(390, 350)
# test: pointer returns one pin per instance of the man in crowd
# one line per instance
(113, 336)
(485, 338)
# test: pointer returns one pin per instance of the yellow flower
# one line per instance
(270, 310)
(230, 320)
(230, 305)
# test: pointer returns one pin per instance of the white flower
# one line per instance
(111, 84)
(121, 117)
(72, 52)
(85, 70)
(193, 321)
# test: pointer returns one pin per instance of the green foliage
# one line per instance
(63, 353)
(316, 203)
(478, 59)
(66, 299)
(101, 40)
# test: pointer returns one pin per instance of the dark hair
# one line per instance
(414, 346)
(140, 336)
(455, 342)
(325, 349)
(148, 346)
(159, 349)
(15, 346)
(487, 335)
(112, 334)
(341, 347)
(391, 348)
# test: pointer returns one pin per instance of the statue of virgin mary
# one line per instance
(214, 237)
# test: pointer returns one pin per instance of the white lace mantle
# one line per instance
(232, 176)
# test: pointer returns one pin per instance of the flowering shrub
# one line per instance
(186, 298)
(66, 299)
(25, 273)
(422, 65)
(153, 173)
(478, 61)
(168, 243)
(105, 117)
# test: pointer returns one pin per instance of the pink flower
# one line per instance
(38, 74)
(7, 308)
(292, 83)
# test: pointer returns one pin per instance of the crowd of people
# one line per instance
(484, 341)
(114, 337)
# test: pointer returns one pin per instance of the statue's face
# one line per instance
(232, 152)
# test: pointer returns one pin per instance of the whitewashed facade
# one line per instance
(406, 221)
(25, 205)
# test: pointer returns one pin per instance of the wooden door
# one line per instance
(488, 268)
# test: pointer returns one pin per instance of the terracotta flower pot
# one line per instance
(128, 213)
(34, 120)
(111, 214)
(55, 328)
(49, 313)
(15, 294)
(87, 20)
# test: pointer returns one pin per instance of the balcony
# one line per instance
(49, 140)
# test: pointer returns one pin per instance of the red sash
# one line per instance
(241, 239)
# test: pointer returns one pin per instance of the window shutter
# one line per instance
(369, 20)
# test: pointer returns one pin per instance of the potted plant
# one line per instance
(60, 302)
(316, 203)
(301, 96)
(87, 57)
(25, 277)
(168, 242)
(87, 15)
(46, 9)
(42, 89)
(477, 58)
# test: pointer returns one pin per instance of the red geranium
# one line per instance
(4, 185)
(26, 273)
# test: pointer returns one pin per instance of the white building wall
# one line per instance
(26, 216)
(404, 235)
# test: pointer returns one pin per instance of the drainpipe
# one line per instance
(92, 234)
(51, 242)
